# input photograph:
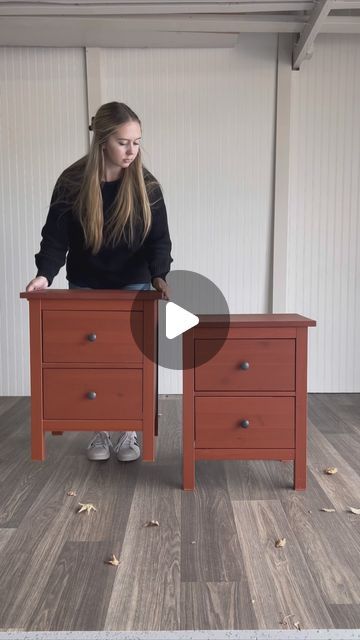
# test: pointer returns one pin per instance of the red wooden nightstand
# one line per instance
(249, 401)
(88, 372)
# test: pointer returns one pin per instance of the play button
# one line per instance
(178, 320)
(192, 297)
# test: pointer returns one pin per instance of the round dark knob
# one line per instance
(91, 337)
(245, 365)
(245, 424)
(91, 395)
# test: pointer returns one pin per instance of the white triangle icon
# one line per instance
(178, 320)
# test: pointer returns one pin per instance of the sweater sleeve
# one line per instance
(157, 243)
(55, 238)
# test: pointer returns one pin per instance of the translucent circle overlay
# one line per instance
(199, 296)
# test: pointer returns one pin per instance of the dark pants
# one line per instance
(143, 286)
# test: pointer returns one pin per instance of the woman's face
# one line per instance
(122, 147)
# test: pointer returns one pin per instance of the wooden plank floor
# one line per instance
(212, 563)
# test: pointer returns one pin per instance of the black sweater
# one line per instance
(111, 268)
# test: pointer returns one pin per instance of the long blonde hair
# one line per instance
(79, 185)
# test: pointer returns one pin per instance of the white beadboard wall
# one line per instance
(208, 120)
(42, 130)
(324, 210)
(208, 135)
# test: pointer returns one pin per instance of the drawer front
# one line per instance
(218, 422)
(69, 394)
(92, 336)
(245, 365)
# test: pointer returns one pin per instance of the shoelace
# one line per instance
(129, 437)
(100, 440)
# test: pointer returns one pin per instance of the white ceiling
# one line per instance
(197, 23)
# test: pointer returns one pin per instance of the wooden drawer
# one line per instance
(218, 422)
(271, 365)
(118, 394)
(92, 336)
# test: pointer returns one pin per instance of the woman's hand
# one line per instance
(37, 283)
(160, 285)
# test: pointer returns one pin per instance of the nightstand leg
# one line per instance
(189, 470)
(37, 441)
(300, 473)
(148, 445)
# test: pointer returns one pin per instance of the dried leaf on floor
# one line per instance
(285, 622)
(71, 493)
(113, 560)
(330, 470)
(327, 510)
(354, 510)
(281, 542)
(86, 507)
(152, 523)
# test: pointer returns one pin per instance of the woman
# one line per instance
(108, 220)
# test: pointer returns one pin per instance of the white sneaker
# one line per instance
(99, 447)
(127, 447)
